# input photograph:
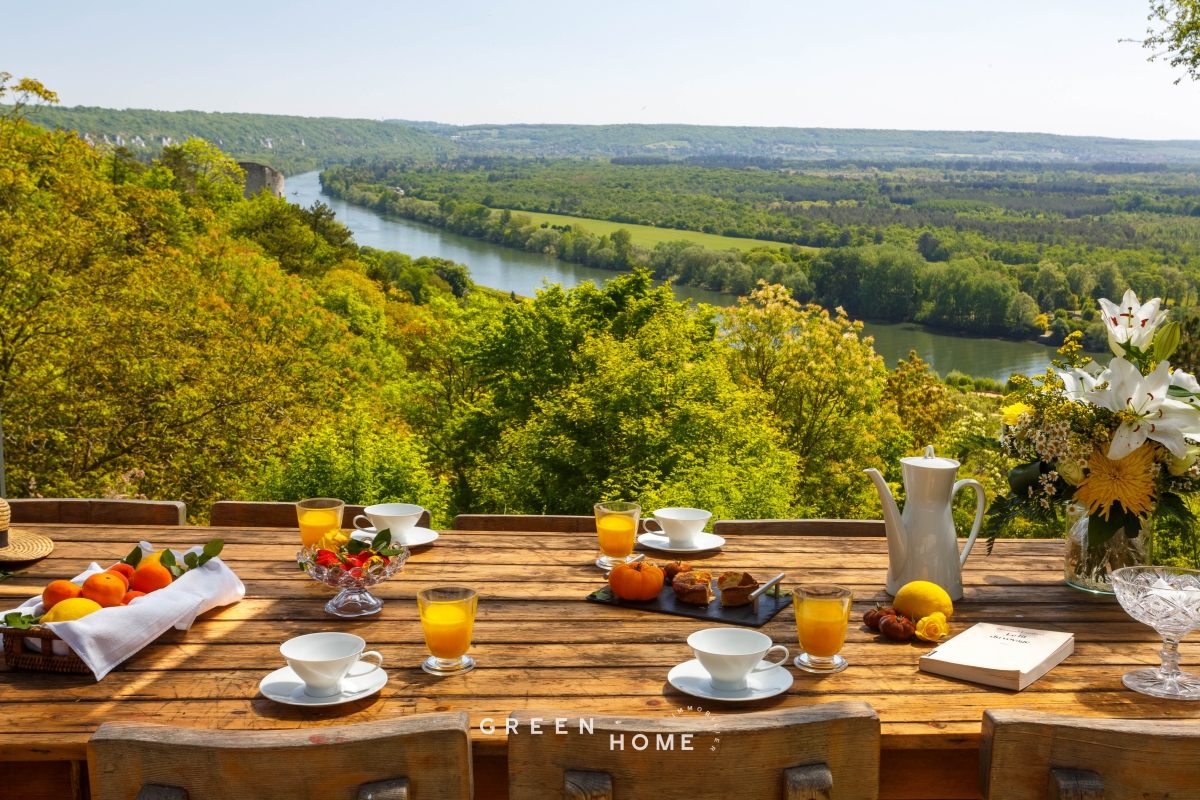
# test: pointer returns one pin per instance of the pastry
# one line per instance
(675, 568)
(694, 587)
(736, 588)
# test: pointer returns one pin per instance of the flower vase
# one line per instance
(1090, 568)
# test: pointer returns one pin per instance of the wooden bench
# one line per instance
(1029, 754)
(814, 753)
(252, 514)
(89, 511)
(799, 527)
(422, 757)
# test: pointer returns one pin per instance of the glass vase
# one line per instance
(1090, 568)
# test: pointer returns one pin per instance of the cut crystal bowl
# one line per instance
(1168, 600)
(353, 600)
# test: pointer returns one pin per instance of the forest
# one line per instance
(988, 248)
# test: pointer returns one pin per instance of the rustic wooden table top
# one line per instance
(539, 644)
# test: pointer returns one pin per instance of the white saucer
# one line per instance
(691, 678)
(285, 686)
(702, 542)
(416, 536)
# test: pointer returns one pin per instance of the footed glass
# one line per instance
(1168, 600)
(353, 600)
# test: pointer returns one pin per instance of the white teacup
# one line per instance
(322, 660)
(730, 655)
(399, 518)
(679, 525)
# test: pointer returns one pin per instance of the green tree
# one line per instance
(1178, 40)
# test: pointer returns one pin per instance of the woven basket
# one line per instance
(16, 656)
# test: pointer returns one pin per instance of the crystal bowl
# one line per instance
(1168, 600)
(353, 600)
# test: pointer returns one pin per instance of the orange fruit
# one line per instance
(130, 596)
(120, 575)
(150, 577)
(58, 591)
(105, 588)
(124, 569)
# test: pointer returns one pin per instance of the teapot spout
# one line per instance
(897, 536)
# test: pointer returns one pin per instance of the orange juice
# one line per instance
(822, 626)
(315, 523)
(447, 629)
(617, 535)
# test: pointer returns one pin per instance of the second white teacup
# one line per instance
(679, 525)
(322, 660)
(730, 655)
(399, 518)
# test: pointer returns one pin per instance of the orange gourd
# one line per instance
(636, 581)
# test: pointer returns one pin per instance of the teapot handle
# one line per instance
(980, 502)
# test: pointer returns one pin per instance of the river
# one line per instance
(513, 270)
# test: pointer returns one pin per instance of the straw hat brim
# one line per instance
(25, 545)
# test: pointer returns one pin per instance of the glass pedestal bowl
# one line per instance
(1168, 600)
(353, 600)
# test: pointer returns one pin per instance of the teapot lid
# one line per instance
(930, 461)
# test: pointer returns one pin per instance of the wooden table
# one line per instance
(540, 645)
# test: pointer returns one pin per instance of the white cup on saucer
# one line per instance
(731, 655)
(679, 525)
(399, 518)
(322, 660)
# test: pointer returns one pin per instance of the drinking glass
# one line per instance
(1168, 600)
(616, 529)
(822, 614)
(318, 516)
(448, 618)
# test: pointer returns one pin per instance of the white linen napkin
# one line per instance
(105, 638)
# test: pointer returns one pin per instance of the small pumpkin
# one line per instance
(636, 581)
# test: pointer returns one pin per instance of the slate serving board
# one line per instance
(668, 603)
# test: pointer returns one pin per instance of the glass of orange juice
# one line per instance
(318, 516)
(448, 619)
(822, 614)
(616, 528)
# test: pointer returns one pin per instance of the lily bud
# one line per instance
(1165, 341)
(1178, 466)
(1071, 472)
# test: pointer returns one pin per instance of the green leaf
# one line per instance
(391, 550)
(602, 594)
(1022, 476)
(381, 540)
(972, 443)
(191, 560)
(168, 559)
(1179, 391)
(5, 575)
(354, 547)
(22, 622)
(175, 570)
(1100, 530)
(134, 558)
(212, 549)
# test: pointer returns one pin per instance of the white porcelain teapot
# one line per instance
(922, 543)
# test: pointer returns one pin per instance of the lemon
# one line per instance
(153, 558)
(68, 610)
(921, 598)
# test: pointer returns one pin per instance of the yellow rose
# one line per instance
(1179, 466)
(933, 627)
(1010, 414)
(1071, 472)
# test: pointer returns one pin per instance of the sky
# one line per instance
(1053, 66)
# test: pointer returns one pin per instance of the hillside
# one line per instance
(679, 141)
(290, 144)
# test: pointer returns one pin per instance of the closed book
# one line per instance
(999, 655)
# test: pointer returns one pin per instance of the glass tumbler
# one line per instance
(822, 614)
(448, 620)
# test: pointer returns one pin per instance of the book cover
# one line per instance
(999, 655)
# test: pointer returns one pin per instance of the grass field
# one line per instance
(648, 235)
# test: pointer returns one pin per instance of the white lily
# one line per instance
(1186, 380)
(1131, 322)
(1156, 416)
(1077, 383)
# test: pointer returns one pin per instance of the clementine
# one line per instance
(150, 577)
(131, 596)
(120, 575)
(105, 588)
(58, 591)
(124, 569)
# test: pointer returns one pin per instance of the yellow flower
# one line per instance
(933, 627)
(1127, 480)
(1010, 414)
